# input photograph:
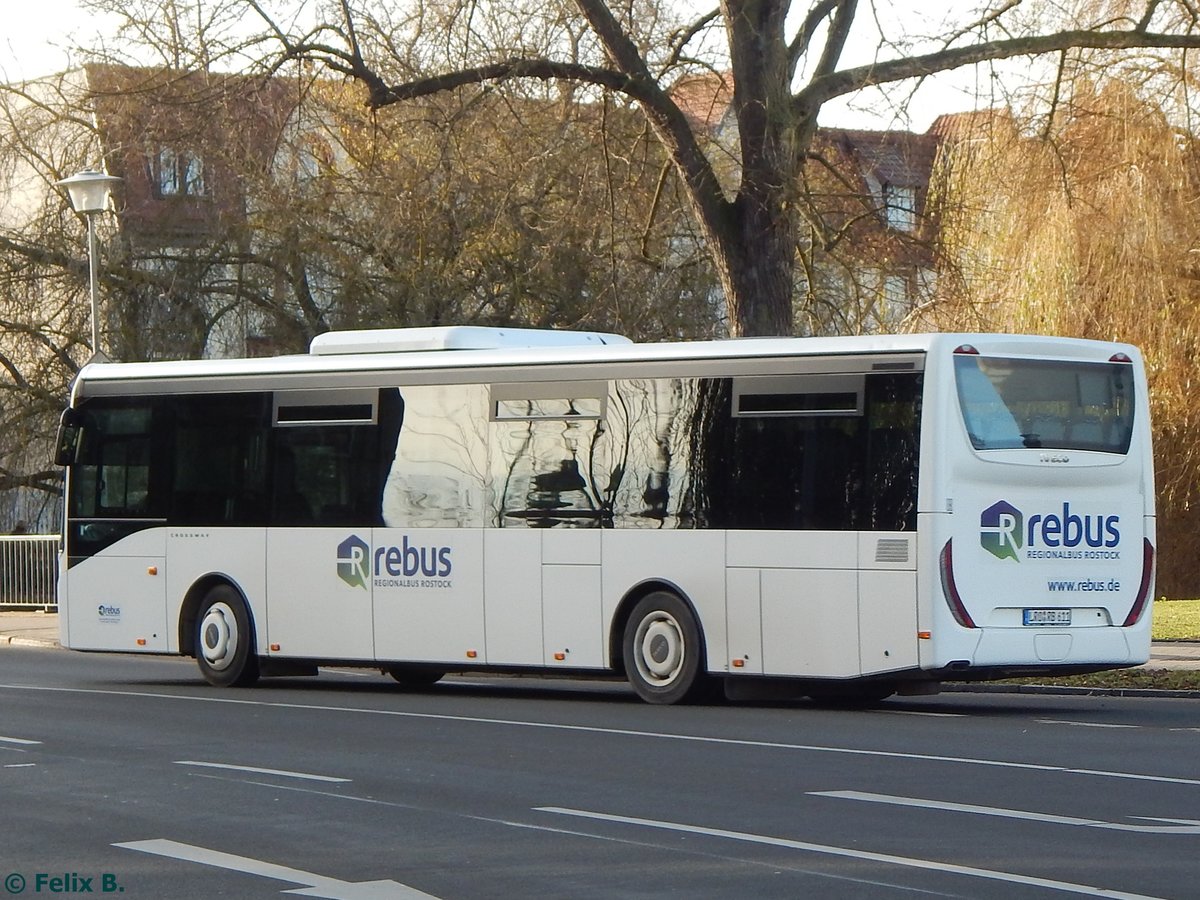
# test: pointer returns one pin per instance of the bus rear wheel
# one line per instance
(663, 650)
(415, 677)
(225, 639)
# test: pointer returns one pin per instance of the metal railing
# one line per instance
(28, 571)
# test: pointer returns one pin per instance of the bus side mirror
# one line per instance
(66, 447)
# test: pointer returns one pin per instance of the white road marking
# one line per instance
(315, 885)
(620, 732)
(1181, 826)
(571, 832)
(21, 766)
(1083, 724)
(12, 740)
(257, 771)
(914, 712)
(886, 858)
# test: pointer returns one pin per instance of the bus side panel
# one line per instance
(319, 594)
(887, 615)
(572, 616)
(808, 589)
(237, 554)
(117, 598)
(427, 589)
(833, 604)
(691, 560)
(513, 596)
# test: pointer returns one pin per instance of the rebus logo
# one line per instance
(403, 566)
(1004, 530)
(1001, 527)
(352, 556)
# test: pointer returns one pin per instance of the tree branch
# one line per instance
(847, 81)
(802, 40)
(543, 69)
(681, 38)
(839, 31)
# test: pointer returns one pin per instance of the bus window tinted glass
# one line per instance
(219, 459)
(855, 471)
(1021, 403)
(112, 478)
(325, 475)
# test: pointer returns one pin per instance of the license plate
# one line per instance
(1046, 617)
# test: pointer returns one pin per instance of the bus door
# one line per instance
(324, 502)
(113, 587)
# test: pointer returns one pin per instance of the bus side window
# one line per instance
(325, 475)
(219, 465)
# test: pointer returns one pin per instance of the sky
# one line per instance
(36, 37)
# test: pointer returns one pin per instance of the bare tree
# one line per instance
(787, 61)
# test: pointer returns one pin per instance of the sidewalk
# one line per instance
(28, 629)
(40, 629)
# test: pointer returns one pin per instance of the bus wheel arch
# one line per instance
(657, 641)
(220, 633)
(191, 606)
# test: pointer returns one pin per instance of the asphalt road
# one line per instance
(129, 776)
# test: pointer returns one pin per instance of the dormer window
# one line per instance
(178, 173)
(900, 207)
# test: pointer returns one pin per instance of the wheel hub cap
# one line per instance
(660, 649)
(219, 636)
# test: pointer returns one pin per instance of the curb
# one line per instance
(1067, 691)
(11, 641)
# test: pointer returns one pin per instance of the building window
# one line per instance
(900, 207)
(178, 173)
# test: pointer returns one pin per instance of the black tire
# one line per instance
(225, 639)
(415, 677)
(664, 650)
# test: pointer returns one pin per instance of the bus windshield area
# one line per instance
(1045, 404)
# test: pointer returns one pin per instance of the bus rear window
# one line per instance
(1043, 404)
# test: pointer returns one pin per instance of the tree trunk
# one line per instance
(757, 258)
(758, 252)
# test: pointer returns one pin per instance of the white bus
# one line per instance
(845, 517)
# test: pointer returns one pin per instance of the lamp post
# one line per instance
(90, 191)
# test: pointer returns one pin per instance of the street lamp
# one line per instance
(90, 191)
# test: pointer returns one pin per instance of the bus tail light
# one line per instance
(1143, 594)
(950, 590)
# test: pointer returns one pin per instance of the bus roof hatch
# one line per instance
(456, 337)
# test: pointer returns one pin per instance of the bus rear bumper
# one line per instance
(1056, 648)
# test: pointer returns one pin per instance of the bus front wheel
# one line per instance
(225, 639)
(664, 656)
